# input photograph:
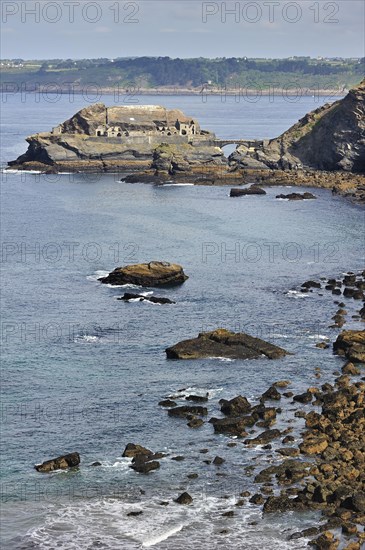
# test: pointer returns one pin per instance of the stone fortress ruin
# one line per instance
(146, 122)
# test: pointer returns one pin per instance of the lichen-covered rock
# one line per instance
(149, 274)
(223, 343)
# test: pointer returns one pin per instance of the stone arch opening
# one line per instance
(229, 148)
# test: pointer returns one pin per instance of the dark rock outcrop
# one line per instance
(149, 274)
(184, 498)
(223, 343)
(351, 344)
(143, 459)
(60, 463)
(233, 426)
(132, 450)
(236, 406)
(253, 190)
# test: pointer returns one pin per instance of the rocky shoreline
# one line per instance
(322, 469)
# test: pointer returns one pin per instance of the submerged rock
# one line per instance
(144, 467)
(60, 463)
(154, 299)
(297, 196)
(186, 410)
(223, 343)
(149, 274)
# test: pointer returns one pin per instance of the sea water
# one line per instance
(82, 371)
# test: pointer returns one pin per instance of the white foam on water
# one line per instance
(88, 523)
(97, 275)
(12, 171)
(296, 294)
(122, 286)
(102, 273)
(195, 390)
(318, 337)
(87, 338)
(224, 359)
(163, 536)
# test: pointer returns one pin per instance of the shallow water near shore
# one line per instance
(84, 372)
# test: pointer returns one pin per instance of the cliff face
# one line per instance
(98, 138)
(330, 138)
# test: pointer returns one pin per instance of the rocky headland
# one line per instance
(330, 138)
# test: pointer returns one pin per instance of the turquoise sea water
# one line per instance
(84, 372)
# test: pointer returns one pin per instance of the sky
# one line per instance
(184, 28)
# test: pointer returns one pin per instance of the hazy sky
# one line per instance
(185, 28)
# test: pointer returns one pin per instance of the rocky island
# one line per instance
(148, 274)
(150, 143)
(127, 138)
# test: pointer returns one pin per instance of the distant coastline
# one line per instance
(241, 93)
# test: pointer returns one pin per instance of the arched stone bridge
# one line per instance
(248, 143)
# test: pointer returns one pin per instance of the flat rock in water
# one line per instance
(296, 196)
(149, 274)
(253, 190)
(223, 343)
(60, 463)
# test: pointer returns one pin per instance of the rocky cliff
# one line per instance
(331, 138)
